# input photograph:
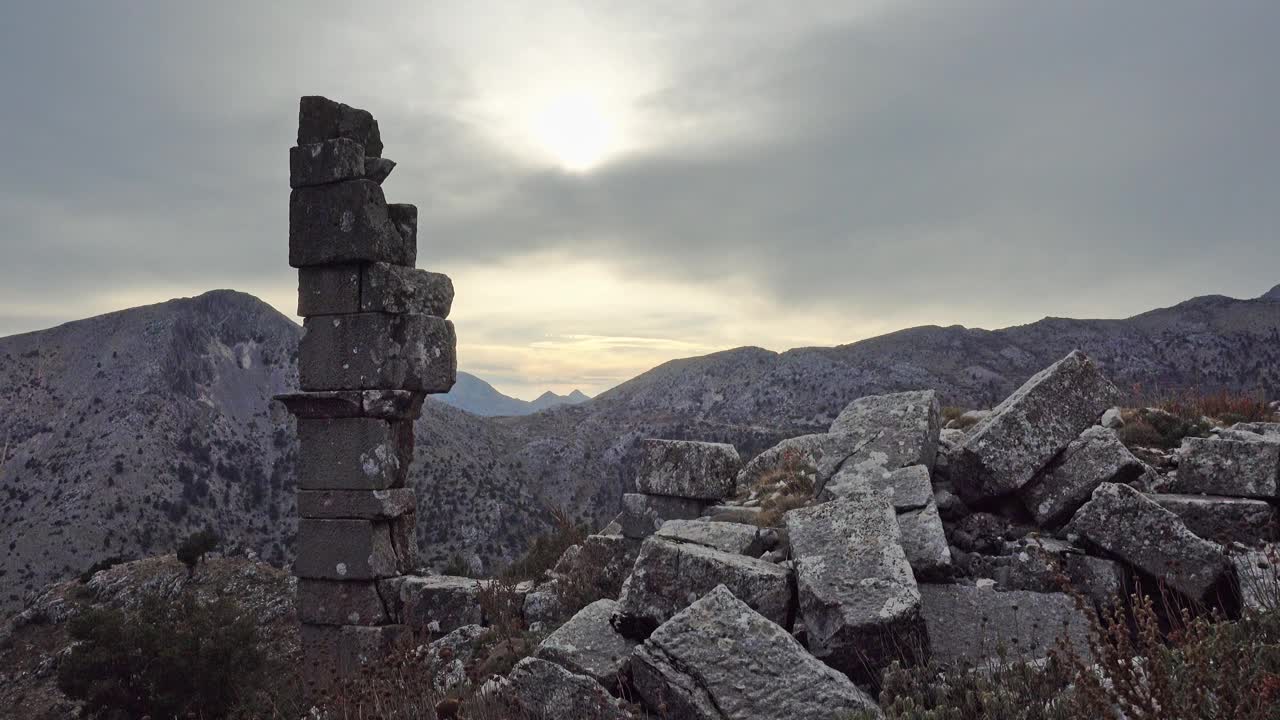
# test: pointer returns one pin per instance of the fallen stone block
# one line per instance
(908, 488)
(1238, 468)
(857, 595)
(668, 576)
(346, 222)
(381, 404)
(1257, 574)
(719, 659)
(357, 504)
(537, 688)
(642, 515)
(324, 162)
(333, 655)
(346, 550)
(1097, 456)
(589, 645)
(334, 602)
(688, 469)
(328, 290)
(437, 603)
(451, 654)
(902, 427)
(320, 118)
(398, 289)
(982, 627)
(369, 351)
(1127, 525)
(925, 542)
(1024, 432)
(727, 537)
(1223, 519)
(353, 453)
(1041, 565)
(543, 605)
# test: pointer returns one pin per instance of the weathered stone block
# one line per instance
(908, 488)
(668, 576)
(719, 659)
(334, 602)
(1024, 432)
(898, 429)
(642, 515)
(357, 504)
(858, 597)
(1097, 456)
(325, 162)
(332, 655)
(982, 627)
(588, 645)
(439, 603)
(398, 289)
(353, 453)
(727, 537)
(925, 542)
(536, 688)
(1040, 565)
(1223, 519)
(345, 222)
(1122, 522)
(320, 118)
(688, 469)
(602, 561)
(378, 169)
(328, 290)
(1238, 468)
(1258, 578)
(382, 404)
(346, 550)
(377, 350)
(405, 219)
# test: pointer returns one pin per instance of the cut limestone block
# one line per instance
(537, 688)
(438, 603)
(724, 536)
(719, 659)
(353, 453)
(642, 515)
(332, 655)
(1097, 456)
(668, 576)
(328, 290)
(1124, 523)
(858, 597)
(378, 169)
(335, 602)
(357, 504)
(688, 469)
(383, 404)
(1223, 519)
(588, 645)
(1040, 564)
(345, 222)
(982, 627)
(325, 162)
(1258, 578)
(892, 431)
(347, 550)
(908, 488)
(1237, 468)
(398, 289)
(320, 118)
(1024, 432)
(925, 541)
(368, 351)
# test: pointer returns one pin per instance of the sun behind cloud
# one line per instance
(576, 131)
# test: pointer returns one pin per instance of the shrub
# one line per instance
(104, 564)
(192, 550)
(165, 658)
(547, 548)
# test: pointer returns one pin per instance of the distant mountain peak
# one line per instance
(1272, 294)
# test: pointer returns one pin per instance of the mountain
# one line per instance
(122, 433)
(478, 397)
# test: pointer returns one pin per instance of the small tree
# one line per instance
(191, 551)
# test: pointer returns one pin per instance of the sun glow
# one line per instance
(576, 131)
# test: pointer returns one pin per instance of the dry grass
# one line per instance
(789, 486)
(547, 548)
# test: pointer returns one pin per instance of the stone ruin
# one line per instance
(906, 540)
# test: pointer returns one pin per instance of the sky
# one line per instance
(615, 184)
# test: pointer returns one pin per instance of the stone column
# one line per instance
(375, 343)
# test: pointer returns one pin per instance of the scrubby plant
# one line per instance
(546, 549)
(788, 486)
(192, 550)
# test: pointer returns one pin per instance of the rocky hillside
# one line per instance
(121, 433)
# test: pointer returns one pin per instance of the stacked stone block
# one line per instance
(376, 341)
(677, 480)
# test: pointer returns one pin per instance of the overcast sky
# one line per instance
(614, 184)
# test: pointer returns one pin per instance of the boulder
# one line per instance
(1124, 523)
(367, 351)
(324, 162)
(1238, 468)
(1223, 519)
(357, 504)
(688, 469)
(353, 453)
(436, 603)
(536, 688)
(332, 602)
(320, 118)
(718, 659)
(1097, 456)
(1112, 418)
(668, 576)
(728, 537)
(925, 542)
(642, 515)
(979, 626)
(857, 596)
(381, 404)
(347, 550)
(588, 645)
(397, 289)
(1024, 432)
(346, 222)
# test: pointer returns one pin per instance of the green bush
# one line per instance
(164, 658)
